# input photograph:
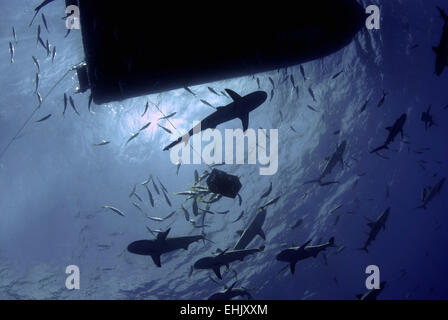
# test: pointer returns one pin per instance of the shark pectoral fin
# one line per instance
(235, 96)
(292, 266)
(245, 121)
(217, 272)
(156, 258)
(261, 234)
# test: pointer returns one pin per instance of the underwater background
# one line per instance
(54, 182)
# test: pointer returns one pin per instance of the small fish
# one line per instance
(156, 219)
(151, 200)
(186, 214)
(292, 81)
(44, 20)
(167, 130)
(102, 143)
(38, 35)
(213, 91)
(240, 199)
(272, 83)
(166, 198)
(239, 217)
(47, 47)
(65, 104)
(137, 206)
(169, 215)
(302, 71)
(11, 52)
(42, 44)
(297, 224)
(189, 91)
(222, 212)
(14, 35)
(138, 197)
(36, 80)
(337, 132)
(207, 103)
(337, 75)
(267, 192)
(72, 104)
(270, 202)
(114, 210)
(292, 129)
(134, 187)
(36, 63)
(311, 108)
(312, 94)
(258, 82)
(53, 54)
(383, 99)
(272, 95)
(146, 109)
(133, 136)
(161, 184)
(39, 98)
(364, 106)
(168, 116)
(155, 186)
(335, 208)
(44, 118)
(146, 126)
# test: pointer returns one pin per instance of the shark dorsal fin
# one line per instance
(305, 244)
(235, 96)
(163, 235)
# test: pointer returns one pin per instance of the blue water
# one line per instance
(53, 183)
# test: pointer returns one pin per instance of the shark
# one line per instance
(336, 158)
(434, 191)
(224, 258)
(230, 293)
(394, 130)
(238, 109)
(375, 228)
(162, 244)
(295, 254)
(252, 230)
